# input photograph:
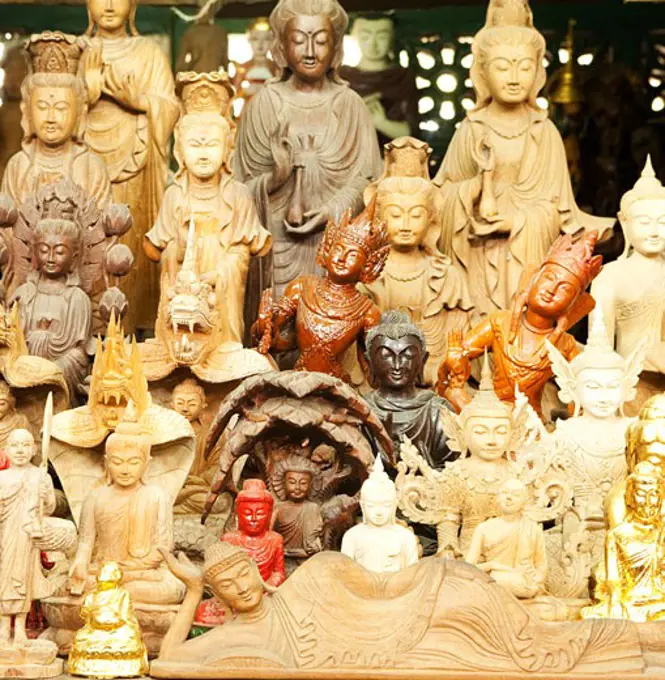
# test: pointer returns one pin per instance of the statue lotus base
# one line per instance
(34, 659)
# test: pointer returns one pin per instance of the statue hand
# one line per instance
(483, 154)
(316, 220)
(77, 576)
(93, 66)
(492, 224)
(182, 568)
(283, 158)
(125, 90)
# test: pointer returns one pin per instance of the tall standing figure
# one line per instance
(133, 109)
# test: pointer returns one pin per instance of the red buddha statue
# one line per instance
(552, 300)
(254, 507)
(322, 316)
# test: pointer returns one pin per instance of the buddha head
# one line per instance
(645, 437)
(7, 401)
(109, 576)
(645, 493)
(308, 39)
(20, 447)
(254, 508)
(189, 399)
(127, 452)
(56, 249)
(260, 38)
(293, 477)
(396, 352)
(233, 577)
(378, 497)
(642, 215)
(354, 250)
(508, 56)
(513, 497)
(375, 35)
(111, 17)
(54, 102)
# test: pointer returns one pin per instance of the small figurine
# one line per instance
(397, 354)
(631, 291)
(328, 313)
(306, 143)
(380, 544)
(132, 112)
(511, 547)
(251, 75)
(551, 300)
(110, 644)
(388, 90)
(504, 181)
(633, 587)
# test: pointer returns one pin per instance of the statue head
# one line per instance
(375, 35)
(508, 56)
(513, 497)
(254, 508)
(308, 38)
(7, 400)
(645, 437)
(260, 38)
(204, 134)
(56, 247)
(109, 576)
(296, 474)
(110, 17)
(378, 497)
(645, 493)
(20, 447)
(127, 451)
(189, 399)
(233, 577)
(642, 215)
(396, 352)
(354, 250)
(54, 102)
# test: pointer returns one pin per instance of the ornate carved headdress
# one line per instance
(205, 92)
(254, 491)
(485, 402)
(54, 52)
(220, 556)
(378, 483)
(406, 157)
(509, 13)
(648, 187)
(577, 256)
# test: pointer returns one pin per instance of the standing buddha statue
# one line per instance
(133, 109)
(504, 180)
(251, 75)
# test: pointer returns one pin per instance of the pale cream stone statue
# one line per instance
(417, 278)
(54, 115)
(631, 290)
(511, 547)
(504, 181)
(133, 109)
(380, 544)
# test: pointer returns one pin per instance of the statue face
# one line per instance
(253, 517)
(346, 262)
(379, 509)
(554, 291)
(188, 402)
(512, 497)
(297, 485)
(204, 150)
(260, 42)
(647, 498)
(125, 464)
(644, 226)
(20, 448)
(511, 73)
(487, 437)
(397, 363)
(407, 219)
(375, 37)
(54, 254)
(600, 391)
(6, 405)
(53, 114)
(239, 586)
(109, 15)
(309, 46)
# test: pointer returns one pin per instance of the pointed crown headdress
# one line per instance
(485, 402)
(509, 13)
(205, 92)
(647, 187)
(598, 352)
(378, 482)
(576, 256)
(54, 52)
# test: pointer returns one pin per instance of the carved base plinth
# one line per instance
(34, 659)
(192, 537)
(62, 614)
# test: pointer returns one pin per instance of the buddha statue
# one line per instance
(200, 321)
(552, 299)
(397, 354)
(511, 547)
(132, 112)
(11, 134)
(388, 90)
(306, 143)
(204, 45)
(54, 115)
(10, 418)
(110, 643)
(630, 291)
(251, 75)
(334, 618)
(328, 314)
(633, 587)
(504, 181)
(417, 277)
(380, 543)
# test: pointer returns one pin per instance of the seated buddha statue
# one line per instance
(110, 640)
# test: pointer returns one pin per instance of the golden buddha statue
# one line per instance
(109, 645)
(632, 584)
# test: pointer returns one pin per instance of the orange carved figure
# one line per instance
(322, 316)
(551, 301)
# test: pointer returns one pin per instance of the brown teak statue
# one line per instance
(552, 300)
(328, 312)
